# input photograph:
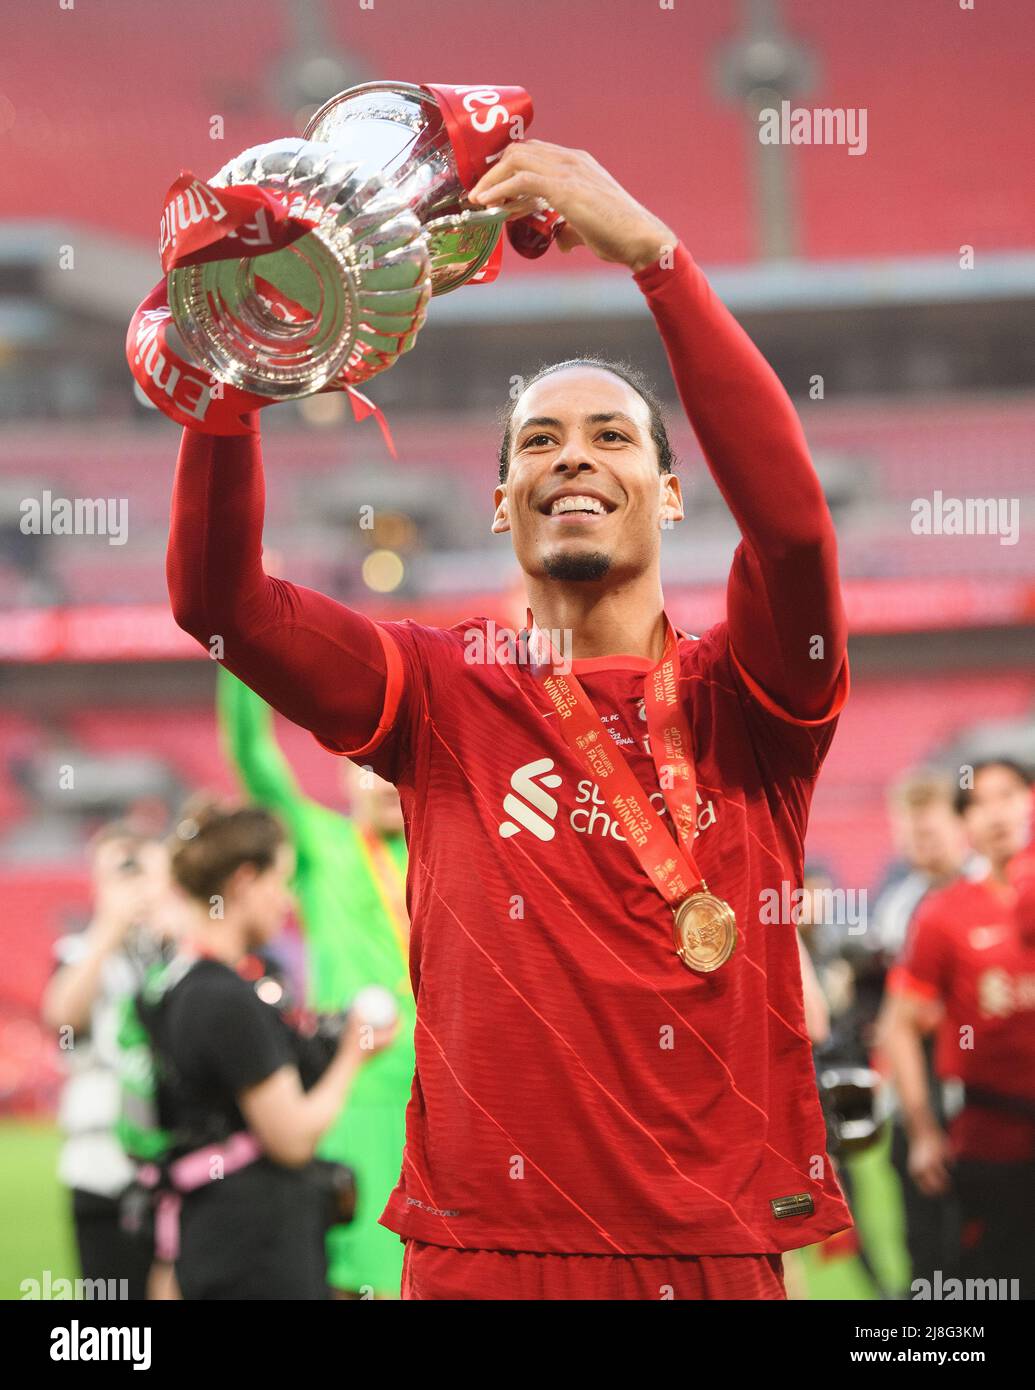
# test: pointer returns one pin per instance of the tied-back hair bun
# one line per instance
(214, 838)
(201, 811)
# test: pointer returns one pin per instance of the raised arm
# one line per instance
(318, 662)
(784, 592)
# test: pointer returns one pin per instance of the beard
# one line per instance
(577, 566)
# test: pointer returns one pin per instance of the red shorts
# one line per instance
(443, 1272)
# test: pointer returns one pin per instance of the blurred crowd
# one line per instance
(233, 1126)
(933, 988)
(233, 1130)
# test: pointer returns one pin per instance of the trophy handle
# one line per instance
(460, 245)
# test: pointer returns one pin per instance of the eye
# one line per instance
(616, 434)
(536, 440)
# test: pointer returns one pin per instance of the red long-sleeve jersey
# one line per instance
(577, 1089)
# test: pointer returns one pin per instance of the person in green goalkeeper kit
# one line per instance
(350, 885)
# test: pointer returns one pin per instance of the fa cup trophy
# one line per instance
(307, 264)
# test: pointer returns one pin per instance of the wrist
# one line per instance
(646, 255)
(921, 1125)
(649, 247)
(350, 1051)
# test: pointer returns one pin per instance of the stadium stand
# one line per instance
(114, 149)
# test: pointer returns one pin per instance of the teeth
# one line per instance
(577, 504)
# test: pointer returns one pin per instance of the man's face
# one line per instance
(998, 817)
(584, 497)
(930, 836)
(131, 859)
(137, 871)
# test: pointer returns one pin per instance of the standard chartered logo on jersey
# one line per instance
(530, 806)
(1001, 994)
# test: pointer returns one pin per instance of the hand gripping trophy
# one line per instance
(307, 264)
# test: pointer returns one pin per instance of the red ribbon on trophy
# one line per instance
(201, 223)
(481, 122)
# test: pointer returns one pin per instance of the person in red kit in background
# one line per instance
(593, 1116)
(969, 962)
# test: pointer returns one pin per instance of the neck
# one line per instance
(225, 939)
(945, 868)
(997, 871)
(623, 620)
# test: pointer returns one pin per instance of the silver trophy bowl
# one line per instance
(403, 129)
(376, 174)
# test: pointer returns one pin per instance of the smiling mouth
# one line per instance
(578, 508)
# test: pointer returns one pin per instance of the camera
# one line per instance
(848, 1095)
(336, 1183)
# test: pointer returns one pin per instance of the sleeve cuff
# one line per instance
(837, 701)
(661, 273)
(394, 682)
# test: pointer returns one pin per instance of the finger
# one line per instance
(522, 185)
(568, 238)
(502, 169)
(523, 207)
(523, 204)
(519, 156)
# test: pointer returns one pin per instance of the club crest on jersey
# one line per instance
(531, 807)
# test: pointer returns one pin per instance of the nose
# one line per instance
(572, 459)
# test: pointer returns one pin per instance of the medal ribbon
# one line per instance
(202, 223)
(390, 885)
(668, 863)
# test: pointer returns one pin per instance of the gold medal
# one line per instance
(705, 931)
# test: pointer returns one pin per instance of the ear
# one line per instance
(671, 500)
(240, 881)
(501, 521)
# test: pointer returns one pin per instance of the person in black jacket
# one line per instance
(237, 1088)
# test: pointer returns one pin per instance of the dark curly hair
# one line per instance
(626, 372)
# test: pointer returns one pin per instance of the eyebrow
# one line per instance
(600, 418)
